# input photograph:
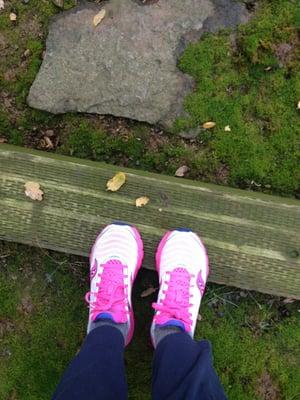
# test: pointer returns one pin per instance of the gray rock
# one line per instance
(126, 66)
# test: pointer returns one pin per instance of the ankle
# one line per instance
(160, 332)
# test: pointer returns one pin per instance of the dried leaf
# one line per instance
(1, 4)
(209, 125)
(148, 292)
(58, 3)
(298, 105)
(49, 144)
(13, 16)
(142, 201)
(116, 182)
(26, 306)
(288, 301)
(227, 128)
(33, 190)
(49, 132)
(99, 17)
(182, 171)
(27, 53)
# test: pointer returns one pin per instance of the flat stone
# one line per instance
(126, 66)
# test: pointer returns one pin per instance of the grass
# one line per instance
(248, 80)
(43, 320)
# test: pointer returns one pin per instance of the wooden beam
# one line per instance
(252, 239)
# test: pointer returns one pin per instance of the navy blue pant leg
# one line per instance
(98, 371)
(183, 370)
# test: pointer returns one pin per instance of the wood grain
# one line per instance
(252, 239)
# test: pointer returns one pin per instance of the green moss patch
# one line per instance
(250, 81)
(43, 319)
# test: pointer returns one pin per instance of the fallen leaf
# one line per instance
(27, 53)
(13, 16)
(298, 105)
(1, 4)
(268, 69)
(148, 292)
(58, 3)
(49, 144)
(227, 128)
(33, 190)
(49, 132)
(116, 182)
(142, 201)
(288, 300)
(181, 171)
(209, 125)
(99, 17)
(26, 305)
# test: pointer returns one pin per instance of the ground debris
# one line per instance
(6, 327)
(181, 171)
(267, 390)
(33, 191)
(148, 291)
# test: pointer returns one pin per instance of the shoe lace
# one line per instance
(176, 303)
(111, 295)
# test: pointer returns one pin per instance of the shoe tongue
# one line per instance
(104, 315)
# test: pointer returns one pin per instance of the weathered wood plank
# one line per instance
(252, 239)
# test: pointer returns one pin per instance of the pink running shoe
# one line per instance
(182, 265)
(115, 260)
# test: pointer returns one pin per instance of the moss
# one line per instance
(249, 90)
(241, 82)
(43, 320)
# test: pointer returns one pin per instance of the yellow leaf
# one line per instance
(116, 182)
(142, 201)
(298, 105)
(227, 128)
(13, 16)
(209, 125)
(33, 191)
(99, 17)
